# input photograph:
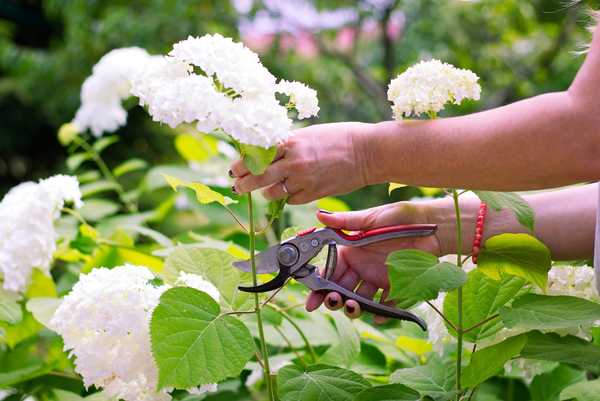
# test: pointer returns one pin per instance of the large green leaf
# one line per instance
(533, 311)
(96, 209)
(213, 265)
(548, 386)
(582, 391)
(482, 297)
(486, 362)
(129, 166)
(105, 142)
(8, 379)
(193, 343)
(516, 254)
(203, 192)
(511, 201)
(567, 349)
(417, 275)
(256, 158)
(390, 392)
(43, 308)
(318, 382)
(10, 309)
(346, 350)
(436, 379)
(197, 148)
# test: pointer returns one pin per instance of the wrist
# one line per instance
(363, 148)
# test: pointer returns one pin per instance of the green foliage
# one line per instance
(486, 362)
(203, 192)
(436, 379)
(194, 343)
(582, 391)
(517, 254)
(319, 382)
(417, 275)
(511, 201)
(390, 392)
(257, 158)
(10, 310)
(344, 352)
(533, 311)
(548, 386)
(566, 349)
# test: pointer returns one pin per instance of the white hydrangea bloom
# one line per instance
(436, 330)
(198, 282)
(102, 92)
(105, 324)
(27, 234)
(427, 86)
(576, 281)
(233, 91)
(257, 374)
(301, 96)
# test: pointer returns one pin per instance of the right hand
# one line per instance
(365, 266)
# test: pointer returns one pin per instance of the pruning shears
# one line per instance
(290, 259)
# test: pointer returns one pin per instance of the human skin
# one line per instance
(564, 221)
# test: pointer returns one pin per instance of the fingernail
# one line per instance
(233, 189)
(230, 172)
(325, 211)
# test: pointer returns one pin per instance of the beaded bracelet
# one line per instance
(479, 231)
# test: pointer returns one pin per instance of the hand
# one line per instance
(315, 162)
(365, 266)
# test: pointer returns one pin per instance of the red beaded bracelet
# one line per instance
(478, 231)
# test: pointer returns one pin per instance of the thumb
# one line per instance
(359, 220)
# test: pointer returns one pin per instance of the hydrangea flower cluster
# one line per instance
(575, 281)
(232, 91)
(105, 323)
(27, 234)
(427, 86)
(103, 91)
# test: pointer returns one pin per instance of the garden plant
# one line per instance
(99, 301)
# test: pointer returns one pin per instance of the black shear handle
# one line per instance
(317, 283)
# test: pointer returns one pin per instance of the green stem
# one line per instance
(287, 317)
(261, 332)
(459, 332)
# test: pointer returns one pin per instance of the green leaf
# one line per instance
(13, 377)
(417, 275)
(332, 204)
(203, 192)
(43, 308)
(482, 298)
(74, 161)
(213, 265)
(486, 362)
(275, 208)
(346, 350)
(193, 344)
(393, 186)
(10, 310)
(390, 392)
(567, 349)
(105, 142)
(511, 201)
(548, 386)
(256, 158)
(582, 391)
(96, 209)
(517, 254)
(436, 379)
(129, 166)
(96, 187)
(318, 382)
(533, 311)
(197, 149)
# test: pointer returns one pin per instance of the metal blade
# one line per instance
(266, 262)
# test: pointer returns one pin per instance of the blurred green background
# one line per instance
(347, 50)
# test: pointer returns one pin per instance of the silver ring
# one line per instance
(285, 188)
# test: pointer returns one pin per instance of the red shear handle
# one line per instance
(360, 238)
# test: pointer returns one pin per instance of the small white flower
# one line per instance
(576, 281)
(198, 282)
(27, 234)
(427, 86)
(103, 91)
(301, 96)
(206, 388)
(257, 374)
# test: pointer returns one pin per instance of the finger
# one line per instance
(314, 300)
(366, 290)
(275, 191)
(359, 220)
(383, 300)
(238, 169)
(273, 174)
(349, 280)
(352, 309)
(334, 301)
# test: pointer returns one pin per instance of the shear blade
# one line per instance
(266, 262)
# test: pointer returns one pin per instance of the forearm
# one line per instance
(547, 141)
(564, 221)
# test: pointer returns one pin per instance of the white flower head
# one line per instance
(219, 84)
(198, 282)
(575, 281)
(104, 322)
(103, 91)
(427, 86)
(301, 96)
(27, 234)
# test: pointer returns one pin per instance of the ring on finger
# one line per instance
(285, 188)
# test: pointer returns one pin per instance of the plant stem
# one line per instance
(459, 332)
(287, 317)
(261, 332)
(484, 321)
